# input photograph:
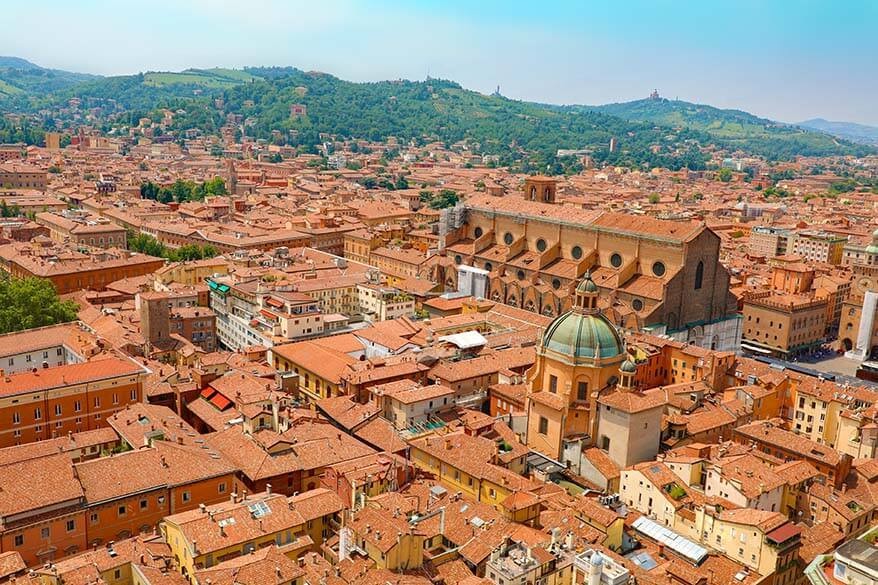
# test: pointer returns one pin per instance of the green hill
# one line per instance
(734, 129)
(408, 110)
(649, 133)
(20, 78)
(210, 78)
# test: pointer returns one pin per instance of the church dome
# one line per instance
(583, 335)
(873, 247)
(628, 367)
(587, 285)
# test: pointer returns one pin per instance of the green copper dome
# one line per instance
(628, 367)
(586, 285)
(583, 335)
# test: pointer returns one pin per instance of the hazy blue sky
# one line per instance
(788, 60)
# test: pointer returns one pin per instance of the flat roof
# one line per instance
(684, 547)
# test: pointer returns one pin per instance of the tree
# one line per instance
(654, 198)
(26, 303)
(445, 198)
(724, 175)
(7, 210)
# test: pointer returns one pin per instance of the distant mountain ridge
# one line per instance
(852, 131)
(649, 133)
(732, 128)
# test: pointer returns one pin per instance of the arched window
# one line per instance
(699, 275)
(533, 193)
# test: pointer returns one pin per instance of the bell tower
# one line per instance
(540, 188)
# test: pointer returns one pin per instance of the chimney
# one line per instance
(202, 507)
(268, 488)
(233, 498)
(244, 496)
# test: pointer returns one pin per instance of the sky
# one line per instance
(787, 60)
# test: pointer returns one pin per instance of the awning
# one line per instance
(220, 401)
(754, 348)
(465, 340)
(784, 533)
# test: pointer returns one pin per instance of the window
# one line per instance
(38, 414)
(637, 305)
(658, 268)
(699, 275)
(57, 410)
(541, 245)
(97, 401)
(144, 503)
(544, 426)
(94, 518)
(478, 232)
(222, 487)
(77, 406)
(576, 252)
(122, 510)
(19, 539)
(616, 260)
(16, 418)
(44, 532)
(556, 284)
(582, 391)
(520, 275)
(508, 238)
(187, 496)
(553, 384)
(71, 525)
